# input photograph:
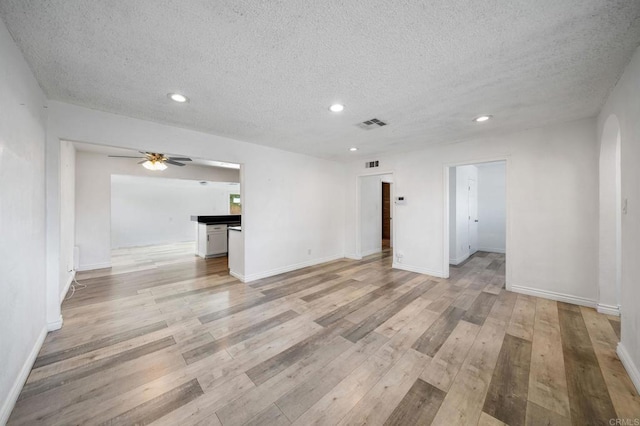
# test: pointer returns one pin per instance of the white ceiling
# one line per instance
(266, 72)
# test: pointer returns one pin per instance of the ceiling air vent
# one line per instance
(370, 164)
(374, 123)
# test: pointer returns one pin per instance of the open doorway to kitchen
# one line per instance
(375, 216)
(131, 218)
(477, 216)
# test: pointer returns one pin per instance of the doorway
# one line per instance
(375, 218)
(611, 211)
(386, 215)
(476, 212)
(122, 207)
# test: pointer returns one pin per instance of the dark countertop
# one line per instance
(233, 219)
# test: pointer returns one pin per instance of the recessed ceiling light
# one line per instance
(336, 108)
(353, 149)
(178, 97)
(482, 118)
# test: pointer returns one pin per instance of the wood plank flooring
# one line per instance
(167, 338)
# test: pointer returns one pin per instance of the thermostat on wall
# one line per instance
(400, 201)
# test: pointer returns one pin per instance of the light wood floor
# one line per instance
(172, 339)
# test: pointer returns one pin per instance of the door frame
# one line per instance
(358, 210)
(469, 225)
(390, 211)
(508, 237)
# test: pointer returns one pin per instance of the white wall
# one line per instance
(67, 214)
(293, 204)
(553, 216)
(22, 221)
(624, 103)
(93, 198)
(459, 213)
(156, 210)
(492, 207)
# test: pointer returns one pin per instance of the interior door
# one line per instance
(473, 216)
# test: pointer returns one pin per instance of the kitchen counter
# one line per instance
(230, 219)
(210, 241)
(235, 228)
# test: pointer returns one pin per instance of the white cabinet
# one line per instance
(212, 240)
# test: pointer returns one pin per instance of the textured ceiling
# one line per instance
(267, 71)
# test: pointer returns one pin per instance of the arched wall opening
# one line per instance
(610, 232)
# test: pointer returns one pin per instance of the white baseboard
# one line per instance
(16, 388)
(353, 256)
(459, 260)
(492, 250)
(55, 325)
(289, 268)
(92, 266)
(64, 291)
(372, 251)
(560, 297)
(627, 362)
(417, 269)
(237, 275)
(608, 309)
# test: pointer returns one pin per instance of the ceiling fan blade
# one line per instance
(122, 156)
(143, 161)
(180, 158)
(175, 163)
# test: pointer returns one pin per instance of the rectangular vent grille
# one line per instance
(370, 164)
(374, 123)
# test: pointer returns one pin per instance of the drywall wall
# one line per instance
(492, 207)
(624, 104)
(459, 213)
(67, 214)
(156, 210)
(93, 198)
(293, 204)
(22, 221)
(552, 213)
(370, 215)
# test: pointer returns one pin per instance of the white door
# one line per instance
(473, 216)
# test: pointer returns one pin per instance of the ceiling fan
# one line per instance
(155, 161)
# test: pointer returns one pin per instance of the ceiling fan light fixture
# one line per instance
(154, 165)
